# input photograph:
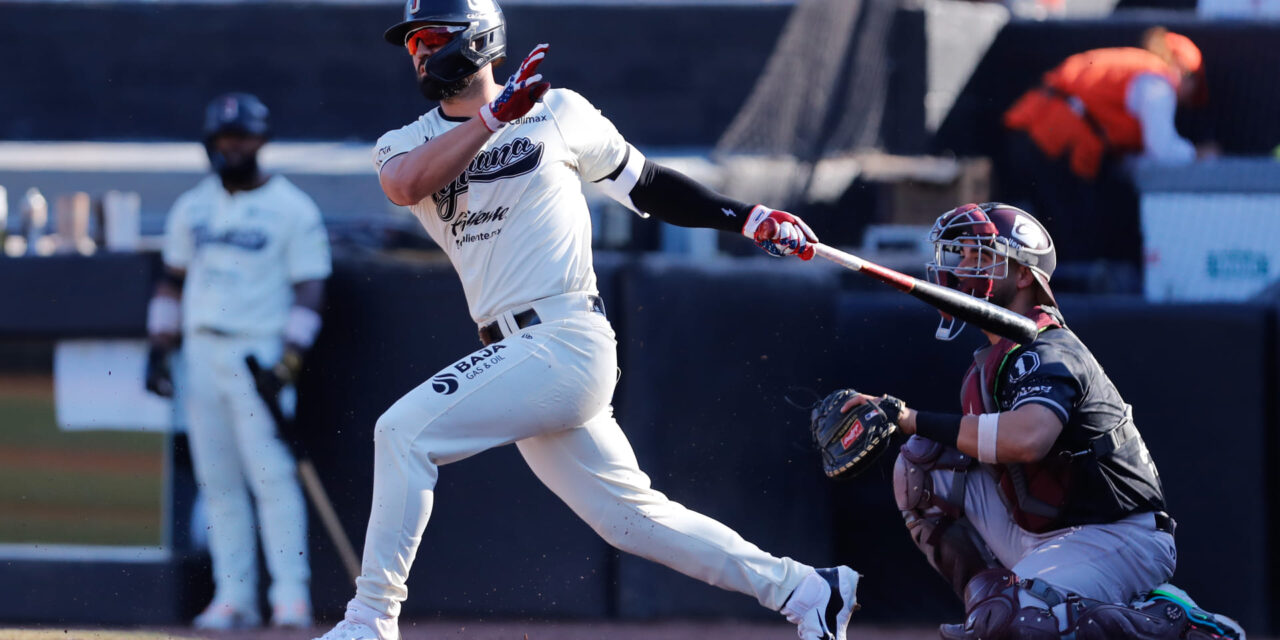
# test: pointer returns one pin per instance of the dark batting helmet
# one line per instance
(1000, 233)
(482, 40)
(236, 113)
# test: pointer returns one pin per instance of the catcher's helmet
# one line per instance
(483, 40)
(236, 112)
(1000, 233)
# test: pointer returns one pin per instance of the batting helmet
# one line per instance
(1000, 233)
(483, 40)
(236, 113)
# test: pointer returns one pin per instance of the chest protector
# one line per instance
(1080, 109)
(1036, 492)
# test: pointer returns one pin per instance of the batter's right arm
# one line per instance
(410, 177)
(429, 167)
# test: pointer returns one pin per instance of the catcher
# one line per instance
(1040, 504)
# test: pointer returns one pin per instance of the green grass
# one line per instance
(29, 421)
(60, 487)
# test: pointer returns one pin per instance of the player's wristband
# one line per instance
(164, 315)
(988, 436)
(943, 428)
(491, 122)
(757, 215)
(302, 326)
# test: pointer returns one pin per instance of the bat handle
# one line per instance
(837, 256)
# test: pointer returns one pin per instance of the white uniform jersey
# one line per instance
(243, 252)
(515, 224)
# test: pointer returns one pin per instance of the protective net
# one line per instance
(822, 95)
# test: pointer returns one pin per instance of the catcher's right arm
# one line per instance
(850, 442)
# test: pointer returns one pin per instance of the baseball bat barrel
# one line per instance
(977, 312)
(328, 517)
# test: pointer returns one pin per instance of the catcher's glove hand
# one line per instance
(850, 442)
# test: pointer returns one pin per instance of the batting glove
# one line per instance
(523, 90)
(779, 233)
(285, 372)
(158, 376)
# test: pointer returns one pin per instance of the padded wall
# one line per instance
(711, 350)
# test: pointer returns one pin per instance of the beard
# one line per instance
(1004, 290)
(241, 172)
(436, 91)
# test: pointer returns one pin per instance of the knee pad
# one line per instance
(912, 483)
(991, 599)
(1148, 621)
(952, 547)
(936, 526)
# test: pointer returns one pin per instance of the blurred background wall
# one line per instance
(107, 97)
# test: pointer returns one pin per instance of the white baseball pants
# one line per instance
(546, 388)
(236, 452)
(1109, 562)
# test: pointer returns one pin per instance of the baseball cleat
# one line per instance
(362, 622)
(224, 616)
(821, 605)
(292, 615)
(350, 630)
(1215, 625)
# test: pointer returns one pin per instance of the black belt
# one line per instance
(1165, 522)
(492, 332)
(213, 331)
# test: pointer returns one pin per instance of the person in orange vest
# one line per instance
(1116, 100)
(1094, 109)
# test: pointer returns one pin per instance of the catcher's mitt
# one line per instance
(850, 442)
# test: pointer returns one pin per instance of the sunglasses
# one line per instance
(430, 37)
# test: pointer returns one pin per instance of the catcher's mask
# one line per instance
(482, 38)
(999, 233)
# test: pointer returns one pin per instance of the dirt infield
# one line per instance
(667, 630)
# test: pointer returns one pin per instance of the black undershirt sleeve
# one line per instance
(673, 197)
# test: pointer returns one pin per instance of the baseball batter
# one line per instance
(1040, 504)
(246, 256)
(494, 175)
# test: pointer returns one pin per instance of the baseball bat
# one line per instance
(311, 483)
(977, 312)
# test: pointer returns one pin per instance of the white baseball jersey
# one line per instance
(515, 224)
(243, 252)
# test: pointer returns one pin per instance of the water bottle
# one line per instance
(4, 219)
(33, 223)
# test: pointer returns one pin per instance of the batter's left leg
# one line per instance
(594, 470)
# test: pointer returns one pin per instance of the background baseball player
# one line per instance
(1040, 504)
(246, 256)
(495, 177)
